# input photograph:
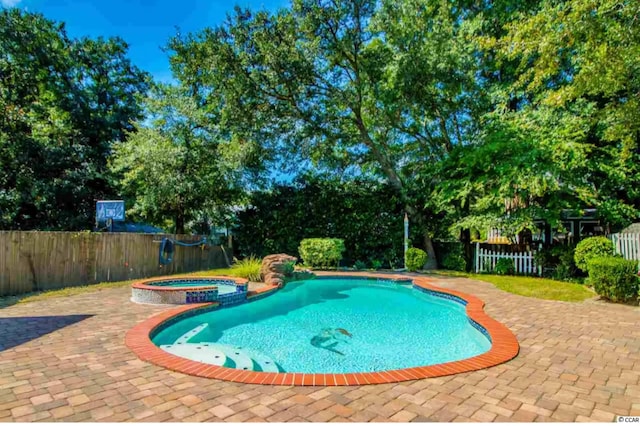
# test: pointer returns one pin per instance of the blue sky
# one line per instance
(145, 24)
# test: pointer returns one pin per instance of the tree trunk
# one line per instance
(432, 262)
(467, 248)
(179, 221)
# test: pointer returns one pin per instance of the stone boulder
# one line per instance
(275, 268)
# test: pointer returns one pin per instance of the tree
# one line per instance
(387, 87)
(62, 103)
(571, 138)
(174, 165)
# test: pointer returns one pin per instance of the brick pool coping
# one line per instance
(504, 347)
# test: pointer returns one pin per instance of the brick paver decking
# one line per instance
(64, 359)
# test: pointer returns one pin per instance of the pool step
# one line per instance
(191, 333)
(201, 352)
(217, 353)
(237, 355)
(265, 363)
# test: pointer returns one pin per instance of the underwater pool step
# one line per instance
(242, 361)
(218, 354)
(191, 333)
(265, 363)
(201, 352)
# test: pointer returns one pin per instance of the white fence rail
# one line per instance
(523, 262)
(627, 245)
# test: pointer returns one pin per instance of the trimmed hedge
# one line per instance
(321, 252)
(614, 278)
(590, 248)
(416, 259)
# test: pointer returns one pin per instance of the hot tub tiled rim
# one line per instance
(504, 346)
(147, 284)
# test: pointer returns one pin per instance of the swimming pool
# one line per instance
(331, 325)
(330, 331)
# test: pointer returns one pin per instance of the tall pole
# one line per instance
(406, 238)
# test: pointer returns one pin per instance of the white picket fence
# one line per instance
(523, 262)
(627, 245)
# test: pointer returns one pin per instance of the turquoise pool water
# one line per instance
(331, 326)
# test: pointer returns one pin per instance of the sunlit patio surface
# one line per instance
(64, 359)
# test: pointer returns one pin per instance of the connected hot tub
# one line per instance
(184, 290)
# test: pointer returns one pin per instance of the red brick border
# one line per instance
(504, 348)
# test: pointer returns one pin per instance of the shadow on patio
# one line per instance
(15, 331)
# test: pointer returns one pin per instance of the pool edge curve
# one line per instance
(504, 347)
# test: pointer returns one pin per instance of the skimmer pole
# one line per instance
(406, 238)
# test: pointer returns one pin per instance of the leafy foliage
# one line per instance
(289, 267)
(376, 264)
(590, 248)
(505, 267)
(321, 252)
(563, 133)
(360, 265)
(415, 259)
(366, 215)
(454, 262)
(451, 255)
(354, 86)
(63, 102)
(177, 164)
(614, 278)
(248, 268)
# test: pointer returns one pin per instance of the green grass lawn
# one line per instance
(247, 268)
(540, 288)
(71, 291)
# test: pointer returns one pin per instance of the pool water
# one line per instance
(335, 326)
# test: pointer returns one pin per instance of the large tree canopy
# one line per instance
(474, 113)
(177, 165)
(565, 131)
(386, 87)
(62, 103)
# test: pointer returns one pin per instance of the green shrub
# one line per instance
(289, 268)
(321, 252)
(444, 249)
(416, 259)
(590, 248)
(614, 278)
(505, 267)
(360, 265)
(376, 264)
(565, 266)
(248, 268)
(454, 262)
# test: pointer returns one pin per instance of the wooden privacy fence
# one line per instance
(524, 263)
(34, 261)
(627, 245)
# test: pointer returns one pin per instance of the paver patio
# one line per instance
(64, 359)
